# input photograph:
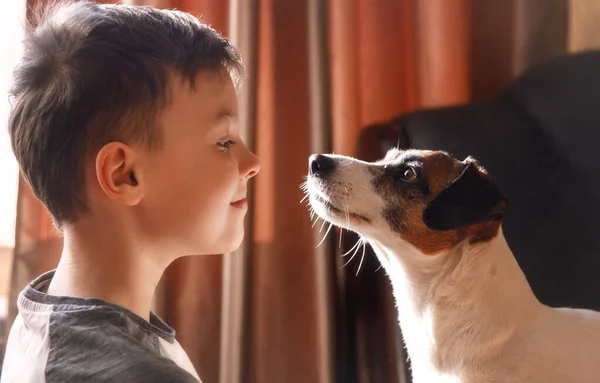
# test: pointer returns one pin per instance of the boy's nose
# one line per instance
(250, 166)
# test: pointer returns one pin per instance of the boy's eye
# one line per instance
(226, 144)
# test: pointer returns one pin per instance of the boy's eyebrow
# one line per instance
(221, 115)
(227, 113)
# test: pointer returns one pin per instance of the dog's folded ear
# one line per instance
(470, 199)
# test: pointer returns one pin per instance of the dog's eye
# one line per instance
(409, 174)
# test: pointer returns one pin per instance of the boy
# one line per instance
(123, 122)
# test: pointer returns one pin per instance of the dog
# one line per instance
(465, 308)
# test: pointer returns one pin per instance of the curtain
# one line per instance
(281, 309)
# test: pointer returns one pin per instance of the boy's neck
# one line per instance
(459, 308)
(106, 263)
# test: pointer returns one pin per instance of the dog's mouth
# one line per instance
(328, 205)
(335, 210)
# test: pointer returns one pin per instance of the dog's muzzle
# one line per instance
(329, 192)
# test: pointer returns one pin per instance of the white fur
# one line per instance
(467, 315)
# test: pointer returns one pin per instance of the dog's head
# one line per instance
(425, 198)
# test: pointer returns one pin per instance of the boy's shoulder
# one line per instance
(100, 345)
(113, 365)
(67, 339)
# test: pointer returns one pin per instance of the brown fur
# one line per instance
(406, 210)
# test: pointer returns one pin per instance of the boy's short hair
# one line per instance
(92, 74)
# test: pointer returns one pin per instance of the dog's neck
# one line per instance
(458, 310)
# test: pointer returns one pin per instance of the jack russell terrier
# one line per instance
(465, 308)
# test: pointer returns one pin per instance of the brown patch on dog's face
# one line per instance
(406, 200)
(431, 200)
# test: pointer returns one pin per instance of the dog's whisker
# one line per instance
(341, 233)
(314, 223)
(353, 255)
(364, 246)
(356, 248)
(352, 249)
(325, 236)
(347, 212)
(304, 198)
(322, 226)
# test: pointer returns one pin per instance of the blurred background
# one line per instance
(320, 73)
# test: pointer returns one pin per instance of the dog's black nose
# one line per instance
(320, 165)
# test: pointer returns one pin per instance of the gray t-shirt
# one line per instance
(69, 339)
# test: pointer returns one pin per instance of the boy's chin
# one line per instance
(236, 243)
(213, 243)
(230, 242)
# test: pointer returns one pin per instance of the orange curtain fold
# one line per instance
(343, 52)
(370, 65)
(244, 22)
(385, 60)
(443, 47)
(381, 60)
(492, 46)
(283, 322)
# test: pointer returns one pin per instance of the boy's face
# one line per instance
(195, 184)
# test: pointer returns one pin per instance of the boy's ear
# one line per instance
(116, 173)
(470, 199)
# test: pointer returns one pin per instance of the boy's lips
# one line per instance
(240, 204)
